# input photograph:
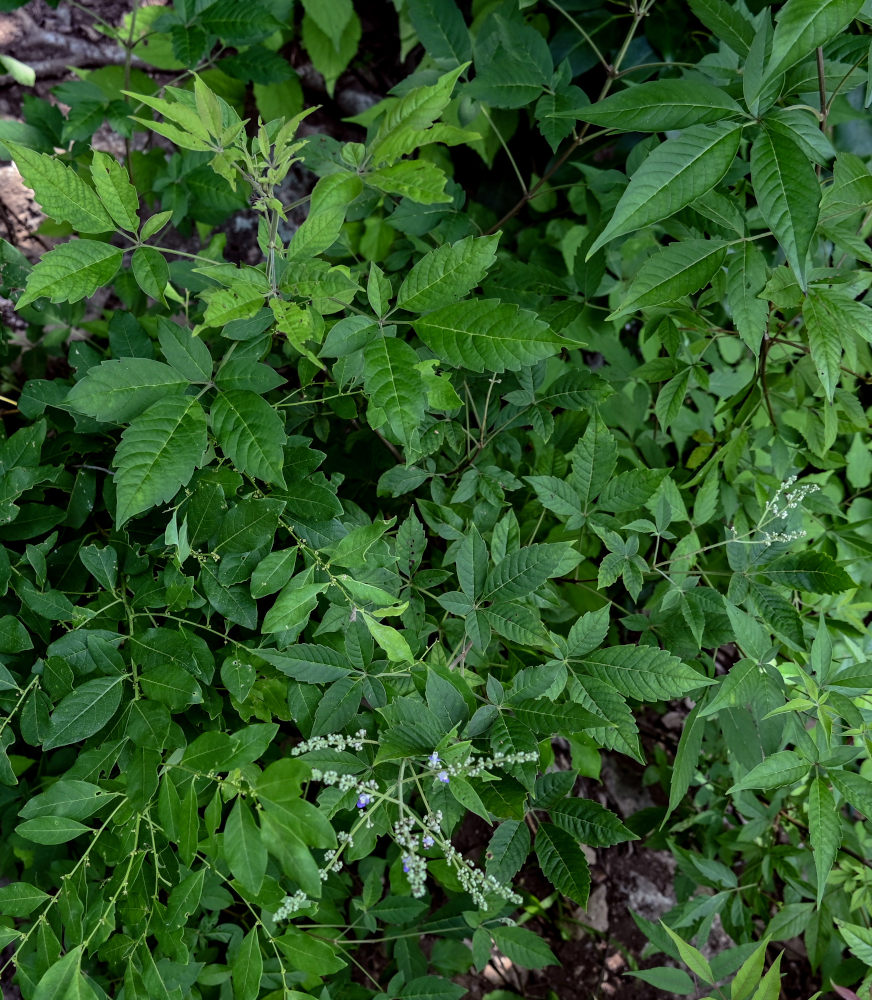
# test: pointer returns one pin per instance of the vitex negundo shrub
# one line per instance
(560, 388)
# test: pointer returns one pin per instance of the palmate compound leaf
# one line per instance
(251, 434)
(487, 335)
(788, 193)
(60, 191)
(676, 270)
(121, 389)
(158, 454)
(71, 271)
(658, 106)
(645, 673)
(447, 274)
(673, 175)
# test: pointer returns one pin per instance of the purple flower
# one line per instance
(433, 760)
(363, 801)
(407, 864)
(427, 840)
(443, 777)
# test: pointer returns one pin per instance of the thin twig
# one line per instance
(582, 137)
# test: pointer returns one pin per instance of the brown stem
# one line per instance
(822, 87)
(764, 354)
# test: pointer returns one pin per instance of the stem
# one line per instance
(822, 90)
(763, 356)
(508, 151)
(583, 34)
(583, 136)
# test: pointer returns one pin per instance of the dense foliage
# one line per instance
(551, 413)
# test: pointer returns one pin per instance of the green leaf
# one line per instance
(184, 898)
(524, 571)
(185, 352)
(779, 614)
(803, 25)
(630, 490)
(547, 718)
(419, 180)
(563, 863)
(785, 767)
(590, 823)
(236, 25)
(770, 985)
(746, 278)
(395, 389)
(749, 974)
(788, 193)
(151, 271)
(273, 572)
(825, 328)
(670, 399)
(331, 16)
(593, 461)
(60, 191)
(20, 899)
(64, 980)
(120, 390)
(487, 335)
(645, 673)
(171, 686)
(293, 606)
(447, 274)
(725, 23)
(251, 434)
(329, 56)
(72, 271)
(441, 29)
(675, 981)
(308, 953)
(673, 175)
(247, 968)
(686, 759)
(244, 848)
(472, 563)
(51, 830)
(84, 711)
(158, 454)
(431, 988)
(858, 939)
(118, 195)
(679, 269)
(507, 850)
(660, 106)
(309, 663)
(14, 637)
(331, 197)
(825, 831)
(812, 571)
(391, 641)
(692, 957)
(523, 947)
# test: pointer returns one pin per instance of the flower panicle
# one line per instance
(333, 741)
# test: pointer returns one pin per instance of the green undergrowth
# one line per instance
(552, 412)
